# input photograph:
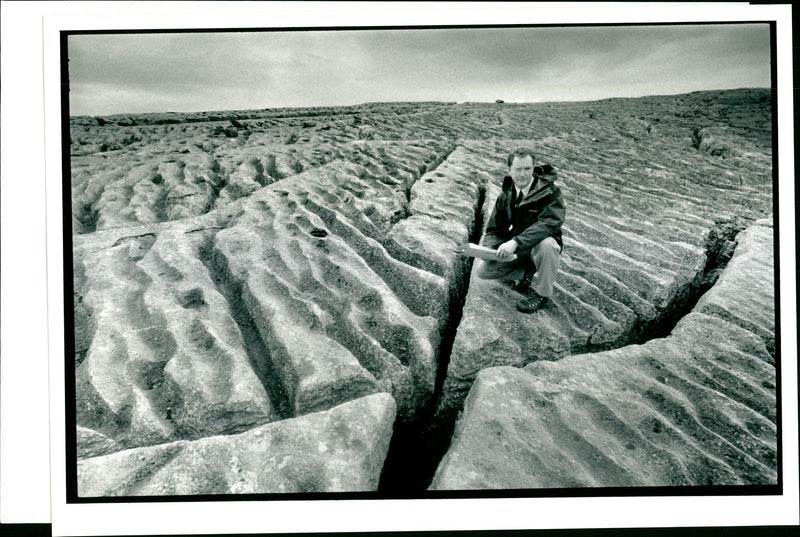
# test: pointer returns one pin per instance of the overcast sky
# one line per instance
(186, 72)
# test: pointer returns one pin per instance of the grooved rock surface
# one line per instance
(161, 356)
(234, 270)
(695, 408)
(745, 293)
(275, 306)
(337, 450)
(291, 300)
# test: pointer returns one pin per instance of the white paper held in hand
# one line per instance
(482, 252)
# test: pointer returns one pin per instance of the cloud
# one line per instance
(319, 68)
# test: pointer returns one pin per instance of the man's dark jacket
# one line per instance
(539, 215)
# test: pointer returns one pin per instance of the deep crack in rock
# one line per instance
(416, 448)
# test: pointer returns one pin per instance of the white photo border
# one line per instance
(278, 516)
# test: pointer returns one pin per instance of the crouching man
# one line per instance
(526, 221)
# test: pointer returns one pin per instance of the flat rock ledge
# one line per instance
(337, 450)
(694, 408)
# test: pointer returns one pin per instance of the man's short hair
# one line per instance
(521, 152)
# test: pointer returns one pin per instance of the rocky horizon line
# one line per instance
(384, 103)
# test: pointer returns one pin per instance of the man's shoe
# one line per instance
(532, 303)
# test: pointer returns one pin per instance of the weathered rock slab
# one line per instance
(338, 450)
(162, 357)
(684, 410)
(745, 292)
(697, 407)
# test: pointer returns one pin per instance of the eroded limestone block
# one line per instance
(434, 242)
(443, 213)
(745, 292)
(164, 359)
(695, 408)
(591, 308)
(338, 450)
(316, 371)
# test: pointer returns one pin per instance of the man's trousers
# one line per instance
(545, 257)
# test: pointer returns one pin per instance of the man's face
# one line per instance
(521, 171)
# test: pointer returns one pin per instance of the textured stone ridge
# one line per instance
(745, 293)
(275, 306)
(694, 408)
(337, 450)
(234, 270)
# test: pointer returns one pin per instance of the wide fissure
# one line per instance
(416, 448)
(719, 249)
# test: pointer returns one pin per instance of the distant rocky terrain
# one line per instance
(272, 301)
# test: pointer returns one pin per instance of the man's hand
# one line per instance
(507, 249)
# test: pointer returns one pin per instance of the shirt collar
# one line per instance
(525, 190)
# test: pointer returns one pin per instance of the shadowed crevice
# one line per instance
(416, 448)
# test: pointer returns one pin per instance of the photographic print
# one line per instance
(412, 262)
